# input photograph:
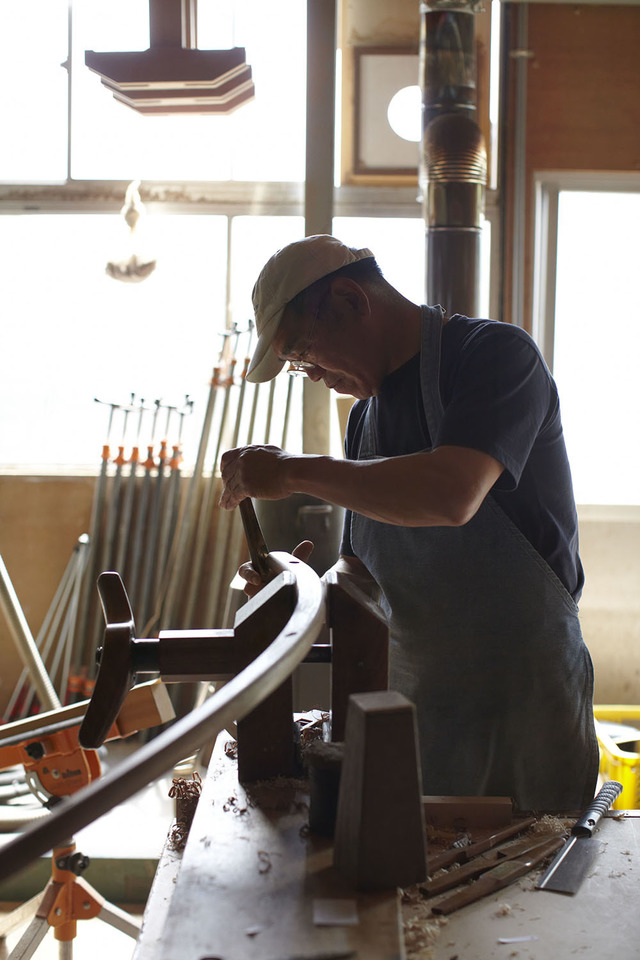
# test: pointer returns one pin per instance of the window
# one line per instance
(75, 334)
(256, 142)
(33, 102)
(588, 325)
(221, 194)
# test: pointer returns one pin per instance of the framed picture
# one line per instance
(386, 99)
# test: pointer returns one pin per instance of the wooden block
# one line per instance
(360, 648)
(380, 839)
(467, 812)
(146, 705)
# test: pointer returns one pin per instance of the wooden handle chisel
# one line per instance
(258, 550)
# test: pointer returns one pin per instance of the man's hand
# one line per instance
(254, 471)
(254, 582)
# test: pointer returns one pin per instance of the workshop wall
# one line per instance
(610, 605)
(41, 519)
(582, 106)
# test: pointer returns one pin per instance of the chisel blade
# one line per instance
(571, 865)
(573, 862)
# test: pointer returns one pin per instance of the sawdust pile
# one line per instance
(553, 826)
(421, 928)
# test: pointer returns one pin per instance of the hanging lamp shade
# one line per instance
(173, 76)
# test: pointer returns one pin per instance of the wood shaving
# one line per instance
(421, 928)
(231, 749)
(178, 834)
(504, 910)
(235, 807)
(186, 794)
(550, 825)
(311, 729)
(182, 789)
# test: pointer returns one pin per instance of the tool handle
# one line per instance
(585, 824)
(116, 673)
(255, 539)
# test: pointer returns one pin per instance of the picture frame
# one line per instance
(378, 151)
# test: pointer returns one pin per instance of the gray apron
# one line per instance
(485, 640)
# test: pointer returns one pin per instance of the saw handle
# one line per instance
(587, 821)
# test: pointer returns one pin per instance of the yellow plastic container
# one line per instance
(616, 763)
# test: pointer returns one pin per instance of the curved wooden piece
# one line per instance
(116, 674)
(231, 703)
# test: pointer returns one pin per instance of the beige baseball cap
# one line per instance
(286, 274)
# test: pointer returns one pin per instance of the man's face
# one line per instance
(332, 346)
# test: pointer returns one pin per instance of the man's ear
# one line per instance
(347, 295)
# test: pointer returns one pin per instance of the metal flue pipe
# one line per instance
(453, 157)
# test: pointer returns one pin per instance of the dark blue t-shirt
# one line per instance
(499, 397)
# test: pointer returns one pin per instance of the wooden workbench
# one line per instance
(251, 883)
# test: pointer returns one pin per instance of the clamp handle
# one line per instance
(122, 656)
(116, 674)
(584, 825)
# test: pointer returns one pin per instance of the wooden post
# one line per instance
(380, 838)
(360, 647)
(265, 736)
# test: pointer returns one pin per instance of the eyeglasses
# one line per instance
(298, 366)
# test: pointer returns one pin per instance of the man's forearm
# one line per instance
(443, 488)
(440, 488)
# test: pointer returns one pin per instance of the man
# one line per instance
(459, 506)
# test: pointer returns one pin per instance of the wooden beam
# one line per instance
(360, 647)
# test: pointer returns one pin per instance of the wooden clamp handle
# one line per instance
(116, 673)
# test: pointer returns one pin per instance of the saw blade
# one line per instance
(571, 865)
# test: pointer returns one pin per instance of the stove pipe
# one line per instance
(453, 169)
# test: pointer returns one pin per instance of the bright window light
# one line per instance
(597, 342)
(405, 113)
(75, 333)
(398, 246)
(256, 142)
(34, 90)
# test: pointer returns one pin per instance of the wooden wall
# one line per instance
(41, 519)
(582, 103)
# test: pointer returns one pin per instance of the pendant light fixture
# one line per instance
(173, 75)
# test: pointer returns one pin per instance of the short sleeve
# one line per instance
(500, 397)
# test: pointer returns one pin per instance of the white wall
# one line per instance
(610, 605)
